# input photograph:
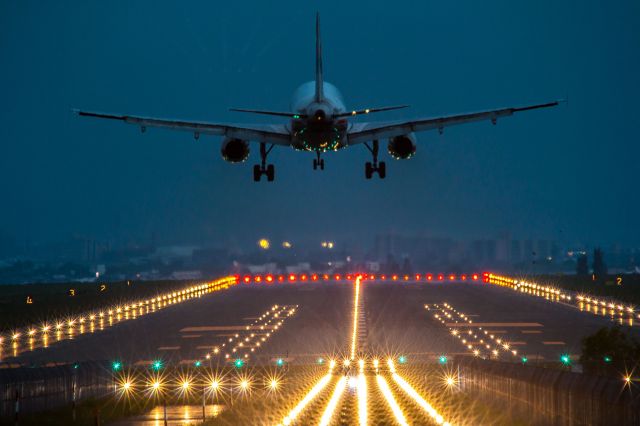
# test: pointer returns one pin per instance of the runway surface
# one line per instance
(325, 352)
(393, 321)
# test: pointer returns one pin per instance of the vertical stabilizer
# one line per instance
(319, 92)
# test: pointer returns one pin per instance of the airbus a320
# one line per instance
(317, 122)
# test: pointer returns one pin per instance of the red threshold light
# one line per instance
(269, 278)
(246, 279)
(292, 277)
(314, 277)
(440, 277)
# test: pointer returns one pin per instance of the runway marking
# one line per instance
(494, 324)
(497, 331)
(191, 336)
(530, 331)
(517, 343)
(554, 343)
(169, 348)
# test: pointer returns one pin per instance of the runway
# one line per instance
(393, 316)
(334, 352)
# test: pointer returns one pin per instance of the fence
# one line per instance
(43, 388)
(551, 397)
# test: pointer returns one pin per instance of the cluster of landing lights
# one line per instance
(272, 279)
(584, 303)
(37, 336)
(483, 341)
(254, 335)
(359, 383)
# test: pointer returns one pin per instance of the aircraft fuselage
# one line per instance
(316, 129)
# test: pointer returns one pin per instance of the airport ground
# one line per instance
(307, 325)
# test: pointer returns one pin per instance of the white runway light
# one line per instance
(386, 392)
(362, 400)
(419, 400)
(333, 402)
(295, 412)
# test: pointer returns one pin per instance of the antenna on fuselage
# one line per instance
(319, 89)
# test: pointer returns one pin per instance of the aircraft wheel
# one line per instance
(270, 173)
(382, 170)
(256, 173)
(315, 164)
(368, 170)
(322, 164)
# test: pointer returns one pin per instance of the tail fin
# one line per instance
(319, 83)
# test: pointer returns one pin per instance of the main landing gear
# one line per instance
(371, 168)
(318, 162)
(263, 168)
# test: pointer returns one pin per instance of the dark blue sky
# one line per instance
(568, 173)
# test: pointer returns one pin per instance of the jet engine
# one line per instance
(402, 147)
(234, 150)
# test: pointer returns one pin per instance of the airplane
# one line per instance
(318, 122)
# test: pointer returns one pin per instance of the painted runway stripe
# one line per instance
(554, 343)
(530, 331)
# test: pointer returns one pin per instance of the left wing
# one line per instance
(276, 134)
(364, 132)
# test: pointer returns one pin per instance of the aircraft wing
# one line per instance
(364, 132)
(268, 133)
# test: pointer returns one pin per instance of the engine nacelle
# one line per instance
(402, 147)
(234, 150)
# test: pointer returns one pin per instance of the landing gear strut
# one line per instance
(371, 168)
(318, 162)
(263, 168)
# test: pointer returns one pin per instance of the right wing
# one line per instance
(276, 134)
(364, 132)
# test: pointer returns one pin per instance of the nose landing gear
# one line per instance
(374, 167)
(318, 162)
(263, 168)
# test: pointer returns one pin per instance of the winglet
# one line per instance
(319, 81)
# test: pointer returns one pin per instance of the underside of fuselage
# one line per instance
(317, 130)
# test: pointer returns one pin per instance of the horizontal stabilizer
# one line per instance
(369, 110)
(277, 113)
